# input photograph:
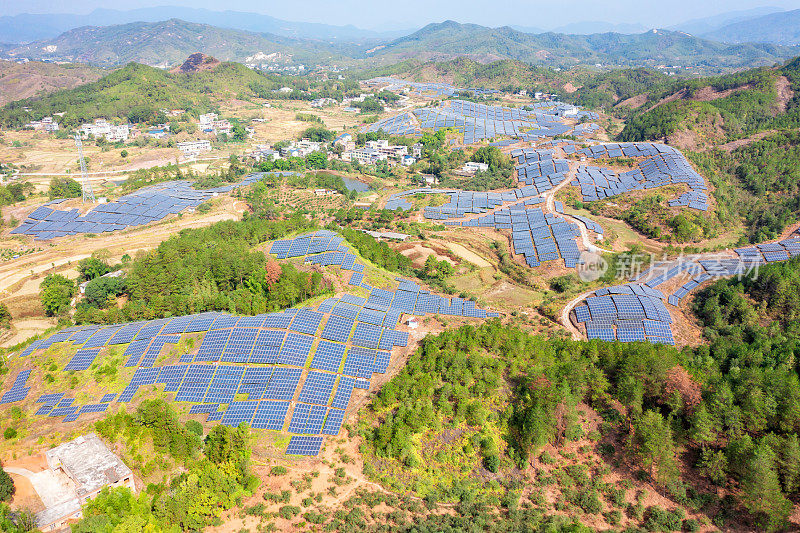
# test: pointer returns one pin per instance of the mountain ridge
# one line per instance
(781, 28)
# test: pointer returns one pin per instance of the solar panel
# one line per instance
(337, 328)
(317, 388)
(328, 356)
(304, 445)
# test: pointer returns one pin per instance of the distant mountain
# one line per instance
(702, 26)
(26, 28)
(656, 47)
(778, 28)
(585, 28)
(169, 42)
(590, 27)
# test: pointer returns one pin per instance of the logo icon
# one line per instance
(591, 266)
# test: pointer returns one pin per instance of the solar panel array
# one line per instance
(146, 205)
(770, 252)
(538, 236)
(18, 391)
(542, 174)
(462, 203)
(480, 121)
(663, 165)
(626, 313)
(676, 297)
(397, 200)
(403, 124)
(590, 224)
(397, 85)
(293, 370)
(693, 199)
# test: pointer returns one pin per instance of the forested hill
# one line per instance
(137, 92)
(656, 47)
(169, 42)
(722, 108)
(714, 428)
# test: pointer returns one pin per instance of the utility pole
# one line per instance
(86, 187)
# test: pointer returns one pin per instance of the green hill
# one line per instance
(654, 48)
(169, 42)
(734, 105)
(136, 93)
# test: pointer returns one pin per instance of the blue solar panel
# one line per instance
(306, 322)
(337, 328)
(304, 445)
(317, 388)
(328, 356)
(270, 415)
(295, 350)
(299, 418)
(283, 384)
(267, 347)
(344, 389)
(366, 335)
(239, 412)
(333, 422)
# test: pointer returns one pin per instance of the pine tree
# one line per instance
(790, 464)
(761, 493)
(703, 430)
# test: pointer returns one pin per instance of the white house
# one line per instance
(471, 167)
(194, 148)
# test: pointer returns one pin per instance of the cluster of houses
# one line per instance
(102, 128)
(46, 124)
(210, 123)
(470, 168)
(379, 150)
(539, 95)
(370, 153)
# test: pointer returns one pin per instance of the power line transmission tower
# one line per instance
(86, 187)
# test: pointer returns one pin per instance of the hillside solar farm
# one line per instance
(457, 279)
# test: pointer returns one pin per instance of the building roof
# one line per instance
(89, 463)
(58, 512)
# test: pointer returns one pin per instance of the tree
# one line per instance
(55, 293)
(92, 267)
(761, 489)
(99, 289)
(317, 134)
(652, 442)
(318, 160)
(790, 464)
(239, 133)
(64, 188)
(703, 426)
(6, 485)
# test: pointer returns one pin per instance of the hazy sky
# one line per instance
(415, 13)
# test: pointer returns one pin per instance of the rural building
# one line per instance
(46, 124)
(194, 148)
(88, 466)
(322, 102)
(471, 167)
(345, 140)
